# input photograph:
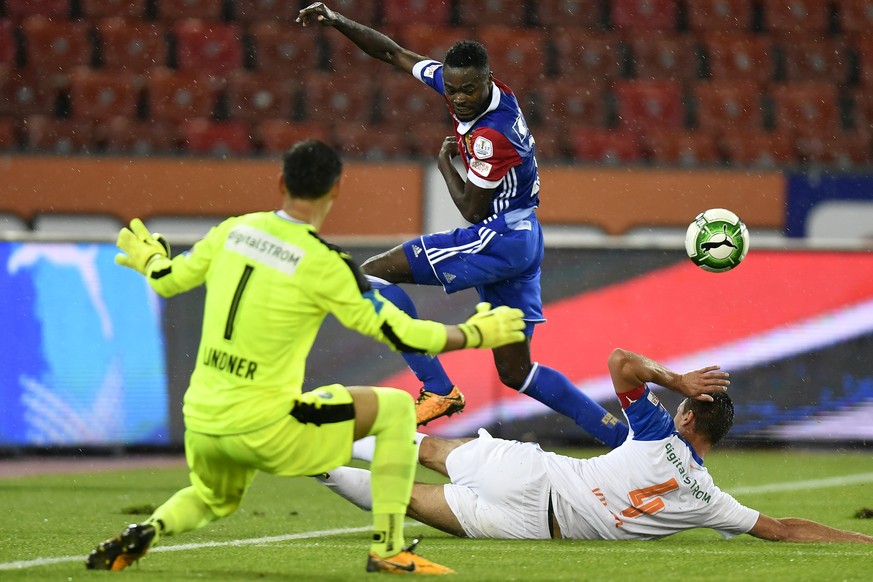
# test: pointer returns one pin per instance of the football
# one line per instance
(717, 240)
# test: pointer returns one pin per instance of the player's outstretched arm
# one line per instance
(793, 529)
(372, 42)
(630, 370)
(140, 248)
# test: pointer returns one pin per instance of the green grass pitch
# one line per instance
(293, 529)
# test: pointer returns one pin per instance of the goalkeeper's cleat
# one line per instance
(119, 552)
(430, 406)
(405, 562)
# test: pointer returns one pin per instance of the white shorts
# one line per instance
(499, 489)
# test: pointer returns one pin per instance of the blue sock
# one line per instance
(556, 391)
(426, 368)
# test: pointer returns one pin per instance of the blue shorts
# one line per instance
(500, 261)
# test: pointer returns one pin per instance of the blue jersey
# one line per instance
(497, 147)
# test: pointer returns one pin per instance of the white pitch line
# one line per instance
(768, 488)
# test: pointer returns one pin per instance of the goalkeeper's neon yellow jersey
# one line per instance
(270, 281)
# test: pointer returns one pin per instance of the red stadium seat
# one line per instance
(506, 12)
(513, 51)
(284, 50)
(399, 12)
(8, 138)
(581, 55)
(425, 138)
(806, 106)
(123, 134)
(345, 57)
(330, 97)
(208, 47)
(7, 42)
(802, 17)
(720, 15)
(570, 13)
(371, 142)
(276, 135)
(836, 148)
(59, 136)
(758, 148)
(131, 9)
(131, 46)
(363, 11)
(664, 56)
(249, 11)
(856, 16)
(724, 105)
(24, 92)
(736, 57)
(679, 147)
(100, 95)
(175, 96)
(21, 9)
(566, 101)
(551, 140)
(862, 108)
(605, 146)
(257, 96)
(643, 105)
(816, 59)
(56, 45)
(202, 136)
(639, 15)
(864, 50)
(170, 10)
(403, 100)
(430, 41)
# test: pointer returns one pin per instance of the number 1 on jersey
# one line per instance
(237, 297)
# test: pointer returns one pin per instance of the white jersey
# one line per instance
(651, 486)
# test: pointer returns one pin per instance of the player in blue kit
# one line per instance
(501, 252)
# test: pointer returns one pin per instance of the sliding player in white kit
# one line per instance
(653, 485)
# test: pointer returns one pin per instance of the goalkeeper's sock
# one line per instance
(556, 391)
(351, 484)
(427, 368)
(392, 468)
(182, 512)
(363, 449)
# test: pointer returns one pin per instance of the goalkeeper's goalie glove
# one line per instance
(491, 328)
(140, 247)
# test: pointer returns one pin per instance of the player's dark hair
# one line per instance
(467, 53)
(713, 420)
(310, 169)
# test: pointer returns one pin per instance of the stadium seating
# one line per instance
(760, 149)
(371, 142)
(551, 140)
(133, 46)
(254, 97)
(429, 41)
(735, 57)
(863, 46)
(727, 104)
(284, 50)
(856, 16)
(130, 9)
(514, 52)
(203, 136)
(8, 139)
(124, 134)
(100, 95)
(571, 13)
(506, 12)
(642, 105)
(680, 147)
(604, 146)
(174, 97)
(364, 11)
(172, 10)
(566, 101)
(399, 12)
(862, 109)
(208, 47)
(249, 11)
(402, 100)
(810, 106)
(816, 59)
(660, 56)
(27, 92)
(333, 97)
(7, 43)
(20, 9)
(836, 148)
(720, 15)
(632, 16)
(801, 18)
(56, 45)
(275, 135)
(424, 137)
(580, 54)
(59, 136)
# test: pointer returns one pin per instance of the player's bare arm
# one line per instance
(473, 202)
(793, 529)
(630, 370)
(372, 42)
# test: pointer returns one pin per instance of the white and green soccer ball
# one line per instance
(717, 240)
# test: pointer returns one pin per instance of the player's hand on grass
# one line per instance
(317, 11)
(140, 247)
(699, 384)
(491, 328)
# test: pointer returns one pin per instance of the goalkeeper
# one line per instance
(270, 282)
